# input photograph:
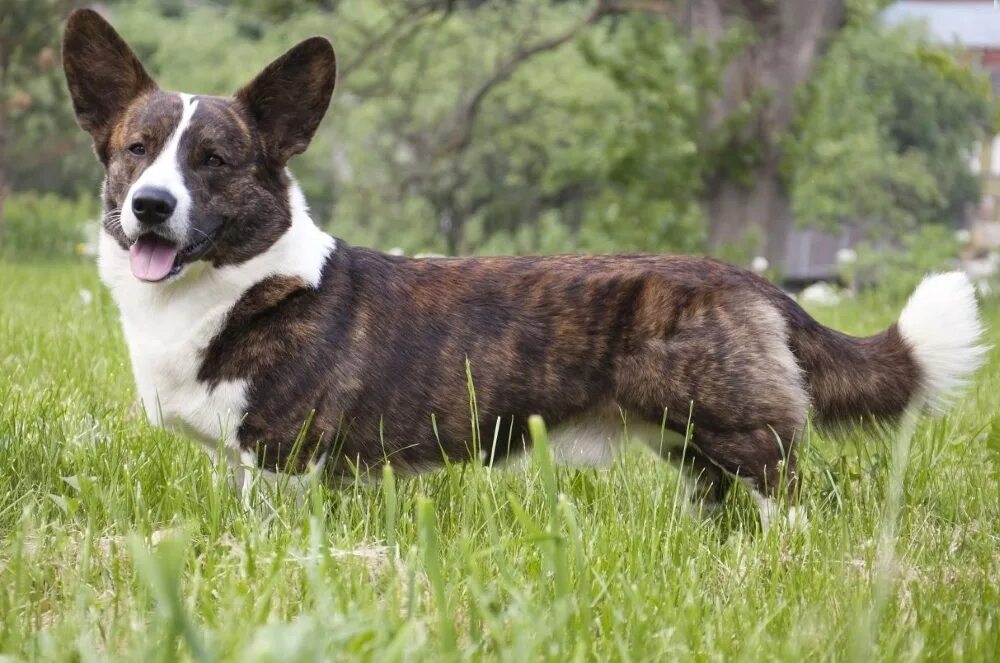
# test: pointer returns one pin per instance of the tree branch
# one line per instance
(665, 8)
(457, 130)
(406, 24)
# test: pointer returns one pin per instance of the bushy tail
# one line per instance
(923, 360)
(941, 325)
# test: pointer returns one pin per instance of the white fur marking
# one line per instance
(664, 441)
(587, 442)
(692, 495)
(768, 509)
(598, 439)
(165, 173)
(169, 324)
(941, 325)
(246, 474)
(774, 337)
(795, 517)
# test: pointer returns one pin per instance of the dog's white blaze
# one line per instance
(168, 325)
(165, 173)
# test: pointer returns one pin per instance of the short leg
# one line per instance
(727, 368)
(706, 483)
(761, 459)
(252, 480)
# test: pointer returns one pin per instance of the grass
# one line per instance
(118, 540)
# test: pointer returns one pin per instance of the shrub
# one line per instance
(45, 225)
(897, 270)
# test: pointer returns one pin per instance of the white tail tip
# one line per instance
(941, 324)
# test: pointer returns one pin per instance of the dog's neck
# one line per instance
(204, 293)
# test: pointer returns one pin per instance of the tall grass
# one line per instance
(118, 540)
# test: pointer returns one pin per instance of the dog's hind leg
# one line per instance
(705, 483)
(726, 369)
(766, 463)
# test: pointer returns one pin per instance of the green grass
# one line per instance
(118, 540)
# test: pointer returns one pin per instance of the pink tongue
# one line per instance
(151, 258)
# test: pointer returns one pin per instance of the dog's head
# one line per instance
(190, 177)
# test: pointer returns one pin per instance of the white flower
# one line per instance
(86, 296)
(759, 264)
(820, 294)
(847, 256)
(963, 236)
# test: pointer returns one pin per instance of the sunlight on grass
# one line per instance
(120, 540)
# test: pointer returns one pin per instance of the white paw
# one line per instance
(796, 518)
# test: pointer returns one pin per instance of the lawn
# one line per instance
(118, 540)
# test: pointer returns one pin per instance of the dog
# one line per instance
(252, 330)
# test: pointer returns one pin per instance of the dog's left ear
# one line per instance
(290, 97)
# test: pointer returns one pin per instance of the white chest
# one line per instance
(169, 325)
(166, 361)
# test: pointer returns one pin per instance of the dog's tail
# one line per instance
(921, 361)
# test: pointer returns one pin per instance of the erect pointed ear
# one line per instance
(103, 74)
(289, 98)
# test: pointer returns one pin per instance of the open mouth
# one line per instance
(154, 258)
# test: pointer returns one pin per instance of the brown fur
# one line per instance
(377, 357)
(148, 119)
(104, 76)
(288, 99)
(242, 204)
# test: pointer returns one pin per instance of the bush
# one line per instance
(898, 270)
(45, 225)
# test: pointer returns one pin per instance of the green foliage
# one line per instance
(898, 269)
(599, 145)
(885, 134)
(46, 225)
(657, 155)
(40, 145)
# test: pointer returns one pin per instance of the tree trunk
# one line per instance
(789, 37)
(450, 221)
(755, 219)
(3, 146)
(453, 230)
(3, 174)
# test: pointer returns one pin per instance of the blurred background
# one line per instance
(848, 142)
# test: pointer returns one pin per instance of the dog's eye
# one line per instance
(137, 149)
(214, 160)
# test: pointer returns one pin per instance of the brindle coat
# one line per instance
(377, 358)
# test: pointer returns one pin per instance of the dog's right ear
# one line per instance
(103, 74)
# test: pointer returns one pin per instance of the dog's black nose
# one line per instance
(152, 205)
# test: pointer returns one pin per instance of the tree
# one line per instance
(768, 49)
(885, 132)
(779, 43)
(30, 79)
(552, 125)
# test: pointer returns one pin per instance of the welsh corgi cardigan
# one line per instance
(252, 330)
